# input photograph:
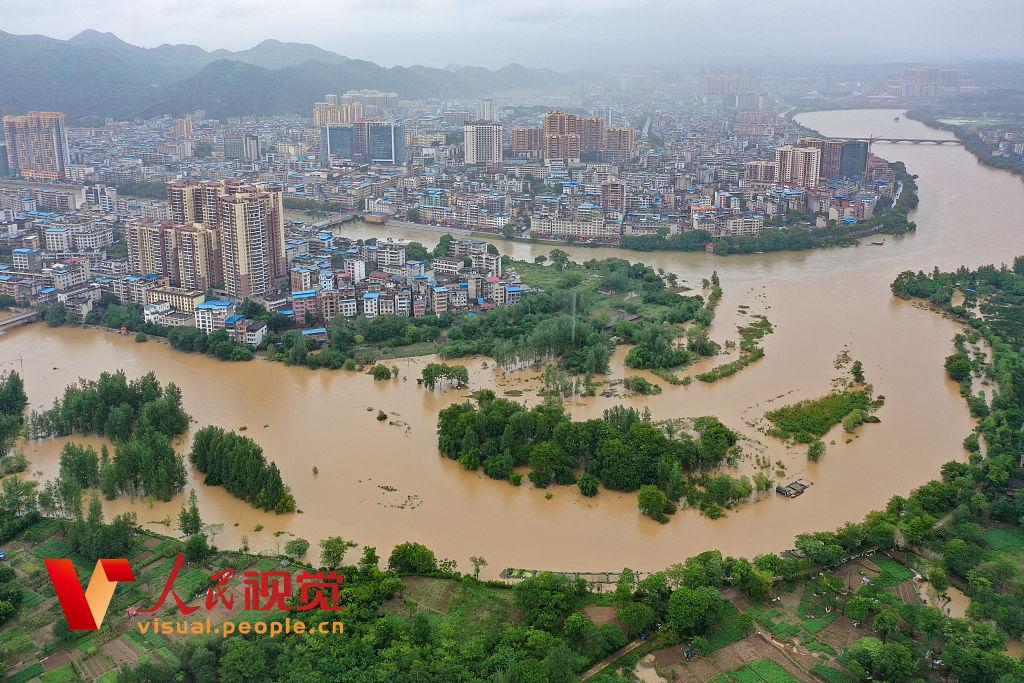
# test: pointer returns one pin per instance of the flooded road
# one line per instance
(381, 484)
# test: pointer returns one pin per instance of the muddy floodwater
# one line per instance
(384, 483)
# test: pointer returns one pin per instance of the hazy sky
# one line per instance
(556, 33)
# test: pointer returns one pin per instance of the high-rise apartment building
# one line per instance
(152, 248)
(189, 255)
(527, 141)
(200, 265)
(489, 110)
(373, 102)
(183, 128)
(192, 201)
(252, 239)
(37, 145)
(561, 137)
(482, 141)
(227, 233)
(591, 130)
(331, 113)
(613, 195)
(569, 138)
(760, 171)
(799, 166)
(619, 144)
(242, 147)
(831, 155)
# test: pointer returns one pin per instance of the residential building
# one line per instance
(210, 315)
(482, 141)
(252, 239)
(37, 145)
(797, 166)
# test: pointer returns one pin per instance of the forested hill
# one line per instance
(97, 74)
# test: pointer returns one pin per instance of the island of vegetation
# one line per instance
(624, 450)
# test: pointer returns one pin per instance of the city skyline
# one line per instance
(568, 36)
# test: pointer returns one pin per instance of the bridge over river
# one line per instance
(19, 319)
(896, 141)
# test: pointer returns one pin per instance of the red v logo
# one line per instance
(85, 610)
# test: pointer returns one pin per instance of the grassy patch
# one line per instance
(831, 675)
(761, 671)
(814, 417)
(892, 571)
(26, 674)
(54, 547)
(1009, 540)
(29, 597)
(418, 349)
(64, 674)
(815, 645)
(732, 626)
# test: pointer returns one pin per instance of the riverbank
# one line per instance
(972, 141)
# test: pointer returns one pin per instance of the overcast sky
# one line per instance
(557, 33)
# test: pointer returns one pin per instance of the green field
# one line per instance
(757, 671)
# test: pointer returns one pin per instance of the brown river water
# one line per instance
(381, 484)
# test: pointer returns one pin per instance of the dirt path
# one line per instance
(600, 666)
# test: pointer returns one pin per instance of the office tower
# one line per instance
(183, 128)
(331, 113)
(252, 239)
(243, 147)
(337, 142)
(854, 160)
(37, 145)
(798, 166)
(831, 155)
(5, 167)
(385, 142)
(489, 110)
(619, 144)
(482, 141)
(527, 141)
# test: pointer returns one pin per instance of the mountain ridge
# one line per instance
(96, 74)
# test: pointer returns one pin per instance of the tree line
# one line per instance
(237, 463)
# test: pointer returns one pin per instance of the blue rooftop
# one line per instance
(215, 304)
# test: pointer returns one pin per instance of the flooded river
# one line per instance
(381, 484)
